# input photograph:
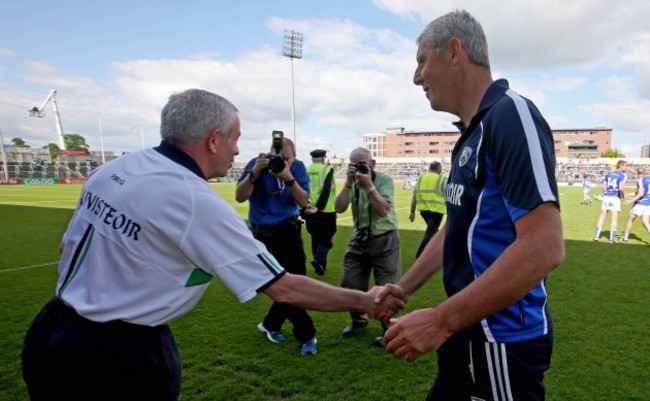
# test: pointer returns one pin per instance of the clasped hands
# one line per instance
(389, 300)
(411, 335)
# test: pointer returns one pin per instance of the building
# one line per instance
(645, 150)
(586, 143)
(396, 143)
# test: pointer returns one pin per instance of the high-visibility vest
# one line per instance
(317, 173)
(430, 193)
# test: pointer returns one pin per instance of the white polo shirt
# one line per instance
(148, 235)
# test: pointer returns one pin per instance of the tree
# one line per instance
(612, 153)
(19, 143)
(53, 149)
(75, 142)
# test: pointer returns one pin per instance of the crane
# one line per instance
(39, 112)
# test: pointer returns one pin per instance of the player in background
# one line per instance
(613, 192)
(641, 204)
(586, 187)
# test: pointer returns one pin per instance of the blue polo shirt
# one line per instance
(503, 166)
(612, 182)
(271, 201)
(643, 183)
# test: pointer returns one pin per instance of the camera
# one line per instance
(362, 167)
(362, 237)
(276, 159)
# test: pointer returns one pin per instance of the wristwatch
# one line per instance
(290, 182)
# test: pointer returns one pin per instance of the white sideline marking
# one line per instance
(29, 267)
(56, 263)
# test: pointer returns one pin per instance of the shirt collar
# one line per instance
(494, 92)
(170, 151)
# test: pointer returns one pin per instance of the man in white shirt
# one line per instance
(146, 238)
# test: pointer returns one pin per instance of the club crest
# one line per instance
(464, 157)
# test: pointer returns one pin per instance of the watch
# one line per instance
(290, 182)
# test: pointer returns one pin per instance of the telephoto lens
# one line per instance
(276, 163)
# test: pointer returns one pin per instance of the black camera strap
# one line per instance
(356, 223)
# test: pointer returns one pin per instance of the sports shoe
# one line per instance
(273, 336)
(309, 347)
(624, 239)
(379, 342)
(353, 328)
(611, 241)
(595, 238)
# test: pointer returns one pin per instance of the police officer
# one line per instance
(429, 198)
(321, 217)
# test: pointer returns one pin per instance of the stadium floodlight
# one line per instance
(292, 48)
(101, 138)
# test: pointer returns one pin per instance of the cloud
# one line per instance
(635, 54)
(583, 62)
(7, 53)
(567, 44)
(541, 34)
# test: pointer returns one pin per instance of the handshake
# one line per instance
(388, 301)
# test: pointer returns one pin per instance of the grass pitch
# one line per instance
(598, 300)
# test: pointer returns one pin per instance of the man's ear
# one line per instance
(214, 140)
(454, 48)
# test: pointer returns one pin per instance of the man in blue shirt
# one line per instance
(275, 199)
(503, 233)
(641, 204)
(613, 191)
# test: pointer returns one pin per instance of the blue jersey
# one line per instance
(643, 183)
(503, 167)
(612, 181)
(271, 200)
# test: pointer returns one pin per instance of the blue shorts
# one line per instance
(485, 371)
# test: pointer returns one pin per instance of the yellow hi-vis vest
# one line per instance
(430, 193)
(317, 173)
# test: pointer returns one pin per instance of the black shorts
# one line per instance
(477, 370)
(68, 357)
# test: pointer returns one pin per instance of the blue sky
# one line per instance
(585, 64)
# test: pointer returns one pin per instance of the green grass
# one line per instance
(598, 299)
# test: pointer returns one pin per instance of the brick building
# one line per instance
(584, 143)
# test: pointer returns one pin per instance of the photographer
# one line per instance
(374, 246)
(277, 187)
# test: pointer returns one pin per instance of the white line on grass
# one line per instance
(29, 267)
(56, 263)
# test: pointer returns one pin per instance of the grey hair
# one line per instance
(462, 25)
(360, 151)
(189, 115)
